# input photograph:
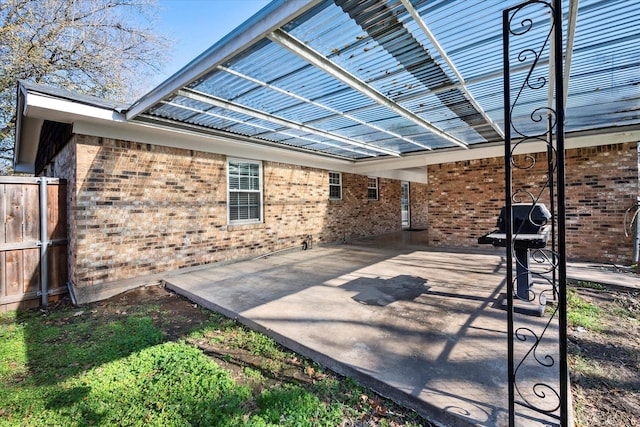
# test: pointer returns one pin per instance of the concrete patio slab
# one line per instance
(422, 327)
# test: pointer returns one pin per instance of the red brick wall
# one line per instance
(139, 209)
(64, 167)
(602, 182)
(356, 216)
(419, 205)
(465, 199)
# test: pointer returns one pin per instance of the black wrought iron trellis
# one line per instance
(538, 371)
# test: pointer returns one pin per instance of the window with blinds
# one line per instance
(335, 185)
(372, 188)
(244, 201)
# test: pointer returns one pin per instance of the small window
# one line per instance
(372, 188)
(335, 185)
(244, 201)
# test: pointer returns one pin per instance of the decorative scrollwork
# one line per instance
(523, 196)
(528, 54)
(539, 396)
(545, 258)
(529, 162)
(537, 358)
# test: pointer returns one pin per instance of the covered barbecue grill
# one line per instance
(530, 231)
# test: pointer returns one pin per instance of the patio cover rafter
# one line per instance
(571, 36)
(253, 30)
(231, 106)
(462, 84)
(318, 60)
(368, 79)
(269, 130)
(322, 106)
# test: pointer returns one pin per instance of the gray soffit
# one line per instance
(363, 79)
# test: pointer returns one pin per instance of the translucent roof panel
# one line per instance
(377, 78)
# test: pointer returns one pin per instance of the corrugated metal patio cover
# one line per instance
(367, 78)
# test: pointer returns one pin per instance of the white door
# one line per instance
(404, 204)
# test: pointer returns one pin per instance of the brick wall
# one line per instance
(356, 216)
(465, 199)
(419, 206)
(140, 209)
(602, 182)
(64, 166)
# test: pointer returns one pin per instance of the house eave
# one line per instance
(93, 120)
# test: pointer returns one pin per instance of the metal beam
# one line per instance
(253, 30)
(322, 106)
(269, 130)
(231, 106)
(425, 28)
(315, 58)
(571, 34)
(304, 138)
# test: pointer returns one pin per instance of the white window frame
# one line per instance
(230, 190)
(334, 184)
(376, 187)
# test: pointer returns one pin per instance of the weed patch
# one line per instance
(604, 359)
(581, 313)
(152, 358)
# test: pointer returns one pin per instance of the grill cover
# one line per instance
(527, 218)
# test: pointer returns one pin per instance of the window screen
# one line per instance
(372, 188)
(335, 185)
(245, 191)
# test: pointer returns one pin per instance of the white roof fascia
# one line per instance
(65, 111)
(26, 147)
(418, 174)
(255, 29)
(35, 107)
(485, 151)
(105, 122)
(20, 134)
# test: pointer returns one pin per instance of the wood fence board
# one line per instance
(57, 212)
(14, 215)
(30, 270)
(57, 263)
(13, 264)
(20, 267)
(31, 212)
(3, 215)
(3, 275)
(62, 213)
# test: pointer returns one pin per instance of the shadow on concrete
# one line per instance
(366, 311)
(382, 292)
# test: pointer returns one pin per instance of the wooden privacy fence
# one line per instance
(33, 240)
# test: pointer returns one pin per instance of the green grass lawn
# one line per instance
(119, 365)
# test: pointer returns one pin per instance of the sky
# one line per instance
(195, 25)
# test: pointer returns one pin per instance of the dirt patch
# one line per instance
(605, 361)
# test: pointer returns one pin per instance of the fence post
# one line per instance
(44, 243)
